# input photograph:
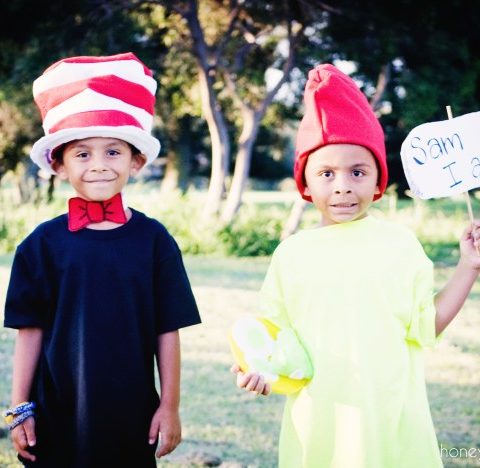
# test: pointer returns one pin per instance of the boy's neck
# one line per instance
(323, 222)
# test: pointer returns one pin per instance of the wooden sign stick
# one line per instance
(467, 193)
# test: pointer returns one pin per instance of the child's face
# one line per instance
(342, 181)
(98, 168)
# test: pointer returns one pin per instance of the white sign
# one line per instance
(441, 159)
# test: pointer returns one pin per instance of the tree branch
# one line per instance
(287, 67)
(234, 13)
(382, 82)
(199, 44)
(321, 5)
(241, 53)
(232, 89)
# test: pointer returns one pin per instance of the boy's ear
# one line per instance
(60, 170)
(306, 191)
(377, 190)
(138, 161)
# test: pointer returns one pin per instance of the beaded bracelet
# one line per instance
(20, 418)
(13, 414)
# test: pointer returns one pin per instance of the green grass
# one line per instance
(241, 430)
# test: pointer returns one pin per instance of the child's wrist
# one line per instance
(468, 266)
(15, 415)
(170, 406)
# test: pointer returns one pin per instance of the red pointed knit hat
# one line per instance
(84, 97)
(336, 111)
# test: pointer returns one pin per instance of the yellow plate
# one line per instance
(252, 341)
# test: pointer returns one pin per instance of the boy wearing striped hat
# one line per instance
(96, 294)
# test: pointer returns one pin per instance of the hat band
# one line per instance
(110, 118)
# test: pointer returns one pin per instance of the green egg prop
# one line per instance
(253, 341)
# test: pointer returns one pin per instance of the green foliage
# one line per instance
(11, 233)
(33, 35)
(256, 232)
(444, 252)
(16, 132)
(430, 50)
(430, 47)
(17, 220)
(181, 215)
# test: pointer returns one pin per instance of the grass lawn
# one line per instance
(225, 424)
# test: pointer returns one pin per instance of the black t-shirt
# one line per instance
(101, 298)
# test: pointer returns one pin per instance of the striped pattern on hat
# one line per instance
(82, 97)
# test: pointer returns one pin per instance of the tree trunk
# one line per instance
(220, 145)
(51, 188)
(294, 218)
(177, 171)
(382, 82)
(212, 113)
(251, 123)
(27, 181)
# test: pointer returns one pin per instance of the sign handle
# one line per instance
(467, 193)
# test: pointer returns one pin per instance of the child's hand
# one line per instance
(23, 436)
(470, 245)
(251, 381)
(166, 422)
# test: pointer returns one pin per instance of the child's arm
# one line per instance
(251, 381)
(451, 298)
(166, 419)
(27, 350)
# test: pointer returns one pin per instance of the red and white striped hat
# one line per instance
(84, 97)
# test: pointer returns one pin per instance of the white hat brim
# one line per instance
(142, 140)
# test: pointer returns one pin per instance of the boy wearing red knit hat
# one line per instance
(99, 293)
(358, 291)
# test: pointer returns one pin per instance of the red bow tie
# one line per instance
(81, 212)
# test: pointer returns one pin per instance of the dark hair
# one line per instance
(57, 154)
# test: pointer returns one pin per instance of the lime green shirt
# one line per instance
(360, 297)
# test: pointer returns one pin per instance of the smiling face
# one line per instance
(342, 181)
(98, 168)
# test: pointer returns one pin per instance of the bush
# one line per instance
(18, 220)
(254, 233)
(181, 216)
(257, 227)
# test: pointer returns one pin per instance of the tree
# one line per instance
(32, 36)
(429, 51)
(253, 112)
(412, 55)
(234, 44)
